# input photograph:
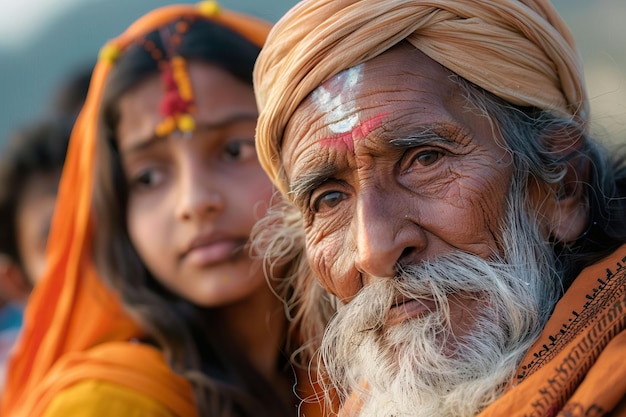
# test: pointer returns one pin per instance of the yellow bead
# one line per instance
(178, 62)
(166, 127)
(209, 8)
(109, 53)
(186, 123)
(185, 91)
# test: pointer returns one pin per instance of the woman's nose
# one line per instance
(199, 196)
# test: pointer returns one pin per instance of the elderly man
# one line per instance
(452, 200)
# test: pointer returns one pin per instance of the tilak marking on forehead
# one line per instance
(346, 140)
(336, 100)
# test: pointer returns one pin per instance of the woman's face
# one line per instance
(193, 200)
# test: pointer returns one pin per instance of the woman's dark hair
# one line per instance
(32, 150)
(192, 339)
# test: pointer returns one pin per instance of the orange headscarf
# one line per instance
(73, 324)
(519, 50)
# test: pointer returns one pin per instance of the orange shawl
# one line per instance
(75, 328)
(576, 367)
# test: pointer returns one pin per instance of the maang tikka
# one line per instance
(177, 104)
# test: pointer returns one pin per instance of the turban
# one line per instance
(519, 50)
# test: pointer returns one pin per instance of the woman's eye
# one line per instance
(427, 158)
(148, 178)
(240, 150)
(328, 200)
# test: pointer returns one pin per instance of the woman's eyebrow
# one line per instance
(141, 144)
(228, 119)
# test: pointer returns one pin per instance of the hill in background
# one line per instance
(29, 75)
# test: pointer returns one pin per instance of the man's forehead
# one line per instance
(361, 99)
(335, 100)
(393, 70)
(346, 79)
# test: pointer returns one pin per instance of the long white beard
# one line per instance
(421, 367)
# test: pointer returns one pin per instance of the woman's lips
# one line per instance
(207, 254)
(407, 309)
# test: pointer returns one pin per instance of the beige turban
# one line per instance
(519, 50)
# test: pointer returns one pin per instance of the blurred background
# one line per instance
(44, 42)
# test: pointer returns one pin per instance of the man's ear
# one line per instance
(563, 207)
(571, 209)
(13, 283)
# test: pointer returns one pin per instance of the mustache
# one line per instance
(435, 281)
(430, 361)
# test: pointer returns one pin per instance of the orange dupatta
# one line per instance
(75, 328)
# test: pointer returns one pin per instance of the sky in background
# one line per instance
(28, 71)
(21, 21)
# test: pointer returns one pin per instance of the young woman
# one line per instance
(164, 219)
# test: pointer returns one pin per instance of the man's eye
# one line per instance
(240, 150)
(328, 200)
(427, 158)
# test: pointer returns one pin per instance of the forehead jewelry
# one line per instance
(177, 104)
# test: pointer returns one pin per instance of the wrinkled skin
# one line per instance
(396, 171)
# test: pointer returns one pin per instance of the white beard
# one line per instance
(420, 367)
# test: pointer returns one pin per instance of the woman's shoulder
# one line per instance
(122, 378)
(94, 398)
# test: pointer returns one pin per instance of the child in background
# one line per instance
(158, 199)
(69, 96)
(30, 168)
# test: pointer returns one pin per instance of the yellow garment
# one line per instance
(75, 328)
(104, 399)
(518, 50)
(136, 366)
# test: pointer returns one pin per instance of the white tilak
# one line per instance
(338, 108)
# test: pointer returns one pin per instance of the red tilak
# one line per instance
(171, 103)
(345, 141)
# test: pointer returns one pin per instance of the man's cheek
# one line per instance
(333, 263)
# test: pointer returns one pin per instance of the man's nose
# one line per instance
(385, 235)
(198, 194)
